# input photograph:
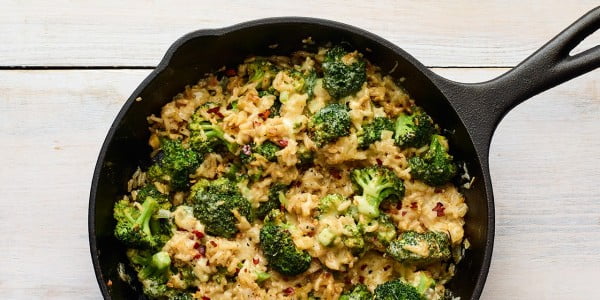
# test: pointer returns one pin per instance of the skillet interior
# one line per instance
(204, 51)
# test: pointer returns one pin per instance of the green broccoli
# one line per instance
(262, 277)
(136, 225)
(376, 184)
(262, 72)
(329, 205)
(383, 235)
(407, 248)
(371, 132)
(150, 190)
(174, 164)
(425, 283)
(434, 167)
(358, 292)
(343, 73)
(206, 137)
(310, 80)
(306, 157)
(279, 248)
(413, 130)
(276, 192)
(153, 271)
(397, 290)
(329, 123)
(267, 150)
(352, 235)
(213, 202)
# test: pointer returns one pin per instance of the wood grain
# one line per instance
(544, 161)
(137, 33)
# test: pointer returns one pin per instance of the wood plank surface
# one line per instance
(137, 33)
(544, 161)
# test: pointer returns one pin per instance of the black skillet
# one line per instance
(470, 111)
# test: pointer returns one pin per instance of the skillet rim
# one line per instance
(436, 80)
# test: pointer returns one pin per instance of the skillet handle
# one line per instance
(481, 106)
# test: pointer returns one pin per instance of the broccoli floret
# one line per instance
(206, 137)
(329, 123)
(174, 164)
(397, 290)
(434, 167)
(262, 72)
(376, 184)
(425, 282)
(306, 157)
(358, 292)
(213, 202)
(153, 271)
(407, 248)
(276, 193)
(267, 150)
(413, 130)
(384, 233)
(262, 277)
(343, 73)
(279, 248)
(371, 133)
(136, 226)
(310, 80)
(150, 190)
(332, 205)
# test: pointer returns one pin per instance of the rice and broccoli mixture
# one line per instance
(312, 176)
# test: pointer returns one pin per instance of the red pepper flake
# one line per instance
(205, 298)
(237, 270)
(288, 291)
(197, 256)
(282, 143)
(399, 205)
(348, 281)
(413, 205)
(361, 279)
(335, 173)
(387, 267)
(213, 243)
(265, 114)
(199, 234)
(230, 72)
(202, 250)
(363, 267)
(438, 190)
(197, 245)
(216, 110)
(379, 162)
(246, 149)
(404, 213)
(439, 209)
(255, 261)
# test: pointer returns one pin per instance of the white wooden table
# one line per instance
(67, 67)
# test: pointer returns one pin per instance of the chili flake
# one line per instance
(199, 234)
(213, 243)
(282, 143)
(413, 205)
(230, 72)
(265, 114)
(439, 209)
(255, 261)
(288, 291)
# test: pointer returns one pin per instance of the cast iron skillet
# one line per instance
(470, 111)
